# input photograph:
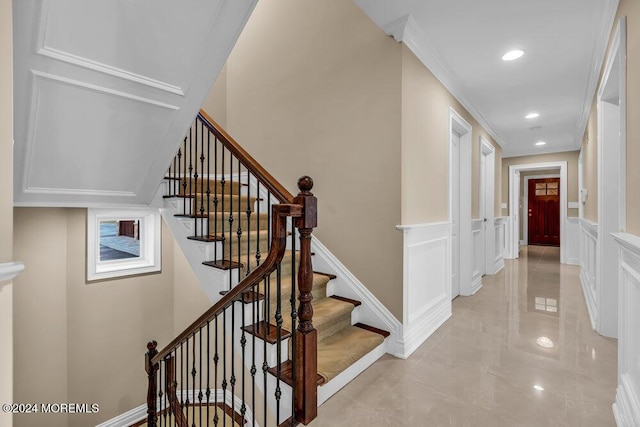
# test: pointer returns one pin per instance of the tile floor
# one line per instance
(528, 326)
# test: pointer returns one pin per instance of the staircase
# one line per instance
(271, 357)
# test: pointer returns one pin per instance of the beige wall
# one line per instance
(327, 103)
(571, 157)
(216, 103)
(76, 341)
(425, 146)
(6, 206)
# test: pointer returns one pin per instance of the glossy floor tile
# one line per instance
(521, 352)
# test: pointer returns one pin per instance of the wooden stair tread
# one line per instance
(271, 336)
(286, 373)
(372, 329)
(329, 275)
(355, 303)
(208, 238)
(223, 264)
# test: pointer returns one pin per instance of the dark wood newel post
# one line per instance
(306, 353)
(152, 391)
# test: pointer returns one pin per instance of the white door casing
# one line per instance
(487, 210)
(514, 203)
(611, 109)
(525, 203)
(459, 126)
(455, 215)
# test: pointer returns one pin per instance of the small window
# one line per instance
(122, 242)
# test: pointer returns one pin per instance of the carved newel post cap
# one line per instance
(305, 184)
(151, 345)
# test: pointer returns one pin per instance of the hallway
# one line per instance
(481, 366)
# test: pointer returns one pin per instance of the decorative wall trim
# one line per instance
(101, 89)
(572, 244)
(8, 271)
(478, 255)
(372, 311)
(89, 64)
(500, 227)
(588, 267)
(627, 404)
(426, 284)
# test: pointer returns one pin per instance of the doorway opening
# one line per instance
(540, 210)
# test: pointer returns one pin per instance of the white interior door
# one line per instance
(455, 215)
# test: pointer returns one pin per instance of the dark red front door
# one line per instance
(544, 211)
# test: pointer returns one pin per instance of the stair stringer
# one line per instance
(212, 280)
(372, 312)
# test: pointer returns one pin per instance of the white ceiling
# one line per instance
(462, 42)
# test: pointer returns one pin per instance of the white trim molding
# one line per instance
(626, 407)
(500, 242)
(407, 31)
(612, 113)
(588, 267)
(426, 283)
(478, 254)
(514, 203)
(457, 124)
(572, 252)
(8, 271)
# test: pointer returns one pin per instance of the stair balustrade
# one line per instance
(207, 376)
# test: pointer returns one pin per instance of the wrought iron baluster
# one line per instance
(278, 318)
(231, 219)
(208, 394)
(216, 359)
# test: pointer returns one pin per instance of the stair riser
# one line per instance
(231, 246)
(214, 185)
(227, 203)
(221, 223)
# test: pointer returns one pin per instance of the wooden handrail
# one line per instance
(265, 178)
(278, 247)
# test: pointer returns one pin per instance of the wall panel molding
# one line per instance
(426, 281)
(627, 404)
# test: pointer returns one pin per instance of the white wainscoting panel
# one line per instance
(507, 236)
(588, 267)
(627, 405)
(426, 281)
(572, 241)
(500, 235)
(478, 255)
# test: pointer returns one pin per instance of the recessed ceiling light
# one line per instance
(538, 387)
(532, 116)
(541, 143)
(512, 54)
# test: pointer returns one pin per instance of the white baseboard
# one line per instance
(523, 243)
(422, 329)
(588, 298)
(572, 261)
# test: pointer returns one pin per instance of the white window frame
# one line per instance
(150, 258)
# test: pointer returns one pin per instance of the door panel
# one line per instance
(544, 211)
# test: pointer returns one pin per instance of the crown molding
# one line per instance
(406, 30)
(610, 9)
